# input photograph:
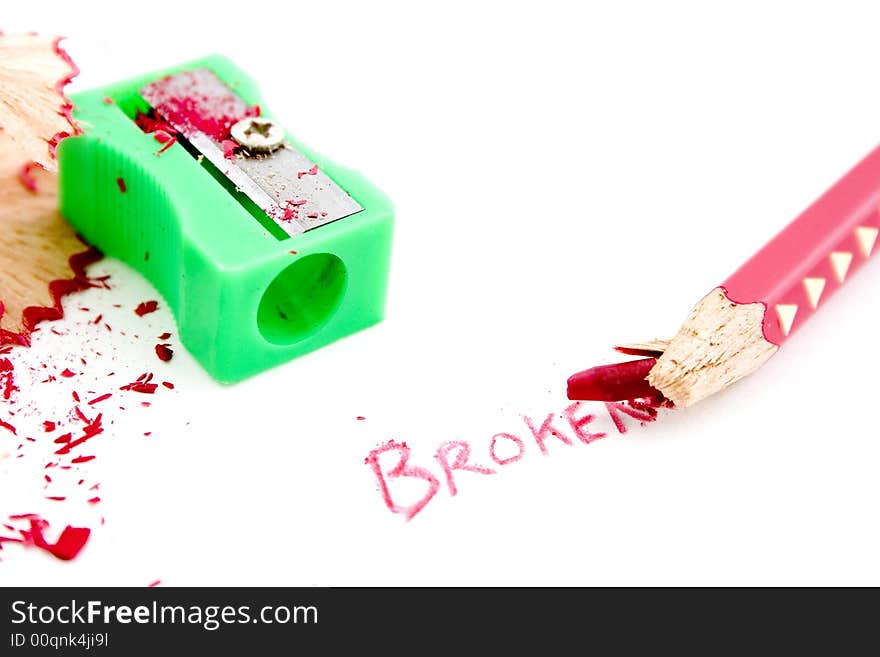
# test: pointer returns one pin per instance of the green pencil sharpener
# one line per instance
(263, 249)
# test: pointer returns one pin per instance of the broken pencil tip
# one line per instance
(617, 382)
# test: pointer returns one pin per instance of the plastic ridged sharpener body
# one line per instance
(244, 300)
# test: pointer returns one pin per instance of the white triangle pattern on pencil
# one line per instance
(786, 313)
(814, 288)
(840, 261)
(866, 236)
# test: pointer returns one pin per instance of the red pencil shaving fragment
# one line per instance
(149, 124)
(741, 323)
(121, 184)
(146, 307)
(162, 132)
(141, 386)
(229, 148)
(164, 352)
(93, 429)
(166, 140)
(311, 172)
(7, 375)
(68, 545)
(291, 209)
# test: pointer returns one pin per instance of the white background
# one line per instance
(564, 178)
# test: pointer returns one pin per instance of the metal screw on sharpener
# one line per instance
(257, 134)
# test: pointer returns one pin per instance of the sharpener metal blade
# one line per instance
(285, 184)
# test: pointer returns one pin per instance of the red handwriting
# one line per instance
(463, 451)
(545, 432)
(521, 446)
(504, 449)
(402, 469)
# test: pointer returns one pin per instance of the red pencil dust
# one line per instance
(182, 103)
(311, 172)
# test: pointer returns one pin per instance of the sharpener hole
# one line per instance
(301, 298)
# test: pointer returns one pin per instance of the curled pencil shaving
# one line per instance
(35, 113)
(36, 265)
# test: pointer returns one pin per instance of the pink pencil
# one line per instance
(735, 328)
